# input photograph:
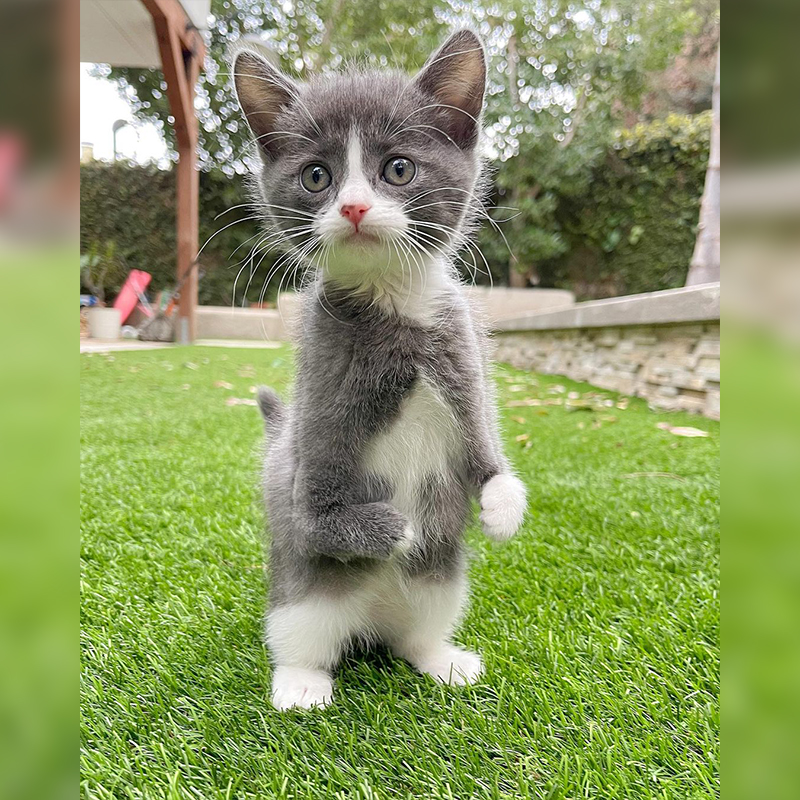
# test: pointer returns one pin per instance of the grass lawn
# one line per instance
(598, 623)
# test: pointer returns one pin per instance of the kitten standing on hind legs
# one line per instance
(370, 183)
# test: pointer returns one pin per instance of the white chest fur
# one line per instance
(419, 444)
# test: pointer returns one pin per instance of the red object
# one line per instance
(128, 296)
(12, 155)
(355, 213)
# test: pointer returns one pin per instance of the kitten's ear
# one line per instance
(455, 76)
(263, 92)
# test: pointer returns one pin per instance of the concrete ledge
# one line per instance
(502, 302)
(690, 304)
(224, 322)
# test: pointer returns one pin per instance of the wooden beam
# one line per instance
(182, 52)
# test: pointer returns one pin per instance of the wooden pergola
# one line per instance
(165, 34)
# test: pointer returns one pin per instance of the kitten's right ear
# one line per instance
(263, 92)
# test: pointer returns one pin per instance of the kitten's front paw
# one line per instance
(294, 687)
(452, 665)
(503, 504)
(406, 540)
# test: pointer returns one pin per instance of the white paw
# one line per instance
(452, 665)
(294, 687)
(503, 504)
(406, 542)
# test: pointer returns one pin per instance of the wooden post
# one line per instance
(182, 53)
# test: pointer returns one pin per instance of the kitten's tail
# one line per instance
(272, 408)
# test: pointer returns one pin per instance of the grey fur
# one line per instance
(329, 519)
(332, 521)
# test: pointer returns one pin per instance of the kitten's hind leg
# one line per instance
(421, 633)
(306, 640)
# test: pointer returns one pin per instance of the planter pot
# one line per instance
(104, 323)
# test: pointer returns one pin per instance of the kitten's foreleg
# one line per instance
(369, 530)
(503, 505)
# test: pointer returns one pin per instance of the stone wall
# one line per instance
(675, 366)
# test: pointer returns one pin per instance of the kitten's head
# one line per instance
(367, 169)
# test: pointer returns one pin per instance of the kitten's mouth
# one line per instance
(362, 237)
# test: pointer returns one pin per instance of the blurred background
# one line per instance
(597, 133)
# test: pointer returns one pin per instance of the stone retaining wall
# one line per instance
(672, 365)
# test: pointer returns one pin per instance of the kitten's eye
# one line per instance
(399, 171)
(315, 178)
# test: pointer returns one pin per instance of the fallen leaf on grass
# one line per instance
(689, 433)
(528, 401)
(222, 385)
(517, 388)
(186, 386)
(557, 389)
(240, 401)
(247, 371)
(190, 365)
(520, 420)
(623, 404)
(523, 437)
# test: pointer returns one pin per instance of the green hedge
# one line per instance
(633, 231)
(134, 207)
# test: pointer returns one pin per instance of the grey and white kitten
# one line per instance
(370, 179)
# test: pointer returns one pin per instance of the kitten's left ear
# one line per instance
(455, 76)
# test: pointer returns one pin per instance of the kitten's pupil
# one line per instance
(399, 168)
(316, 174)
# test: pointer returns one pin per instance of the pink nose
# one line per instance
(355, 213)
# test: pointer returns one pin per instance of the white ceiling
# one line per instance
(120, 32)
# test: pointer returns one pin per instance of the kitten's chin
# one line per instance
(360, 240)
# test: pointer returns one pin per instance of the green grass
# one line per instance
(598, 623)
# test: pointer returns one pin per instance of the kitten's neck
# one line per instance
(416, 292)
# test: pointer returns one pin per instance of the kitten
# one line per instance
(370, 180)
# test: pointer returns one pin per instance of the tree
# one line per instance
(564, 75)
(705, 264)
(304, 37)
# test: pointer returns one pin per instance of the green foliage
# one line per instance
(634, 229)
(134, 207)
(563, 77)
(100, 267)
